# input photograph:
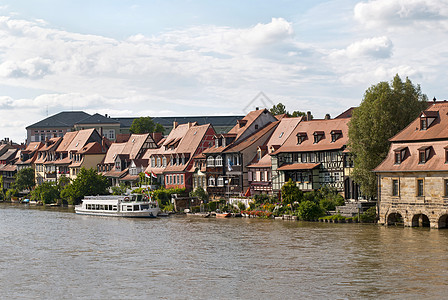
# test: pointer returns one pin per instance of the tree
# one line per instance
(47, 192)
(200, 193)
(145, 125)
(291, 192)
(2, 191)
(384, 111)
(88, 182)
(280, 109)
(24, 179)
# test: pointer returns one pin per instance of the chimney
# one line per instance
(156, 136)
(175, 124)
(327, 117)
(308, 116)
(105, 115)
(257, 108)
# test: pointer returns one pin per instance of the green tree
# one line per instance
(2, 191)
(278, 109)
(47, 192)
(291, 192)
(24, 179)
(88, 182)
(200, 193)
(298, 113)
(309, 210)
(384, 111)
(145, 125)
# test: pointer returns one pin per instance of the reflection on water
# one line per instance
(48, 253)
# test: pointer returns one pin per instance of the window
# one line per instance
(312, 157)
(420, 187)
(395, 187)
(445, 185)
(303, 157)
(211, 181)
(220, 181)
(164, 161)
(111, 135)
(327, 177)
(158, 162)
(301, 136)
(210, 161)
(181, 179)
(335, 134)
(178, 181)
(397, 158)
(423, 124)
(218, 161)
(318, 135)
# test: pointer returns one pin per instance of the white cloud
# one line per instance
(401, 13)
(377, 47)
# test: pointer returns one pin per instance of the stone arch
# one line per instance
(395, 218)
(443, 221)
(420, 220)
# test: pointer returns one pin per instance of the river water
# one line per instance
(55, 254)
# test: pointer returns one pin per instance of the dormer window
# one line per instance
(301, 136)
(335, 134)
(400, 155)
(259, 153)
(446, 154)
(423, 154)
(318, 135)
(427, 118)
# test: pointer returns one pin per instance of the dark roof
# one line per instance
(62, 119)
(70, 118)
(98, 119)
(201, 120)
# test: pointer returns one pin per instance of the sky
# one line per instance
(132, 58)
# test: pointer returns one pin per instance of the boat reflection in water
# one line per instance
(130, 206)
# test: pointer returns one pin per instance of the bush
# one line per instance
(369, 215)
(241, 206)
(213, 205)
(309, 210)
(11, 193)
(195, 209)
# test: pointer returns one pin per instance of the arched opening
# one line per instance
(395, 219)
(443, 221)
(420, 220)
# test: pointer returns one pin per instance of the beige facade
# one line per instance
(414, 198)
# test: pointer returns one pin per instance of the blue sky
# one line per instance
(139, 58)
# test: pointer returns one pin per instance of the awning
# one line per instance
(299, 166)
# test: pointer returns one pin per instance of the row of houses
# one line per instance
(258, 155)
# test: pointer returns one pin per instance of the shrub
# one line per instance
(213, 205)
(241, 206)
(369, 215)
(309, 210)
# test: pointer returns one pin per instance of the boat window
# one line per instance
(144, 206)
(114, 207)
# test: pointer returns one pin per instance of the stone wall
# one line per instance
(431, 209)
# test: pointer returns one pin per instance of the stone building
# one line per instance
(413, 179)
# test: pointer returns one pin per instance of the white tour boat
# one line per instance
(130, 206)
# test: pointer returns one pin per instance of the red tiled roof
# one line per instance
(299, 166)
(114, 150)
(436, 161)
(80, 140)
(66, 141)
(310, 127)
(437, 130)
(267, 130)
